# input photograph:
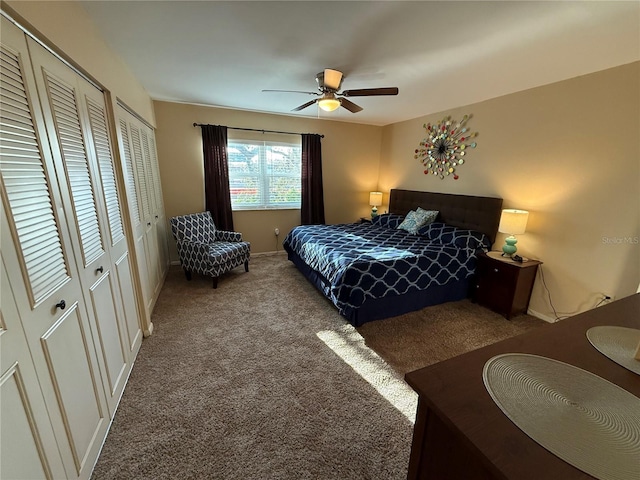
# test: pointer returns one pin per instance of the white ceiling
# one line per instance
(440, 55)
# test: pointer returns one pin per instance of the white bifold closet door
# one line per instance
(144, 193)
(66, 262)
(37, 252)
(76, 122)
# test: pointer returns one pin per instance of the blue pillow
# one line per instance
(387, 220)
(416, 219)
(460, 237)
(410, 223)
(428, 216)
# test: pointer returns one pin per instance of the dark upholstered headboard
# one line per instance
(464, 211)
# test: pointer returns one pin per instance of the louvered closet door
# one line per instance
(43, 274)
(144, 196)
(116, 242)
(133, 198)
(138, 200)
(146, 171)
(27, 442)
(159, 216)
(63, 94)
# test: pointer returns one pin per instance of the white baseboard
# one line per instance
(541, 316)
(149, 330)
(268, 254)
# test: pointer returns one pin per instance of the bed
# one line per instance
(374, 270)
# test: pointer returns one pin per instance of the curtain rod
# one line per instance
(255, 130)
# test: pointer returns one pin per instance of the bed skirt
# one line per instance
(392, 305)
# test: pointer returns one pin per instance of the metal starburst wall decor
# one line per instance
(445, 147)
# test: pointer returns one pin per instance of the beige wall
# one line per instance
(350, 156)
(569, 153)
(68, 29)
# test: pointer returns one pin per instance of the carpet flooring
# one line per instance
(262, 379)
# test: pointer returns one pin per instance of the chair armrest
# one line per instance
(226, 236)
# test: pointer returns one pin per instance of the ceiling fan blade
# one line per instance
(369, 92)
(332, 78)
(292, 91)
(349, 105)
(305, 105)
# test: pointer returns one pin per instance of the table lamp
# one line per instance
(512, 222)
(375, 200)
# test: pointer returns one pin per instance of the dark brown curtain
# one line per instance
(312, 208)
(216, 175)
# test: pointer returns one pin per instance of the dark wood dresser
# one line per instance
(460, 433)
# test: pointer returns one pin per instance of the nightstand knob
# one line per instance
(496, 270)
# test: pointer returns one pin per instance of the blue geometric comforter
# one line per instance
(361, 261)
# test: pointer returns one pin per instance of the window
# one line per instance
(264, 174)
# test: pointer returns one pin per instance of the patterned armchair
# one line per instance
(204, 249)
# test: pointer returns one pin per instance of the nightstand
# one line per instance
(365, 220)
(504, 285)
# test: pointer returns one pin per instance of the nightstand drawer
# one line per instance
(496, 272)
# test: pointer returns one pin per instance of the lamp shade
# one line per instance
(375, 199)
(513, 222)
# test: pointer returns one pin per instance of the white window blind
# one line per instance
(264, 175)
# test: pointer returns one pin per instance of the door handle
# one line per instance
(61, 305)
(100, 269)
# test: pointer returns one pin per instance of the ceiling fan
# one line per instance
(329, 83)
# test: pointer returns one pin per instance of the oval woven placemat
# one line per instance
(619, 344)
(580, 417)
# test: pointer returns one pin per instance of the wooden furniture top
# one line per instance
(494, 255)
(454, 390)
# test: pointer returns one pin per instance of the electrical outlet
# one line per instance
(604, 299)
(276, 231)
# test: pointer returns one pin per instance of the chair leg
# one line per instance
(246, 265)
(215, 282)
(187, 273)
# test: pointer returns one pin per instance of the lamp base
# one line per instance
(509, 248)
(374, 212)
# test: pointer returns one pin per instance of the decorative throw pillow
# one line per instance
(410, 223)
(416, 219)
(427, 216)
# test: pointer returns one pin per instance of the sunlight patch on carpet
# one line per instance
(349, 346)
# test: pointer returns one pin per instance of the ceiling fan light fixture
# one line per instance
(329, 104)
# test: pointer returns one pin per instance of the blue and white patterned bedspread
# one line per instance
(362, 261)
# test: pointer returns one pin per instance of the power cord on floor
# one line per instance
(544, 283)
(605, 298)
